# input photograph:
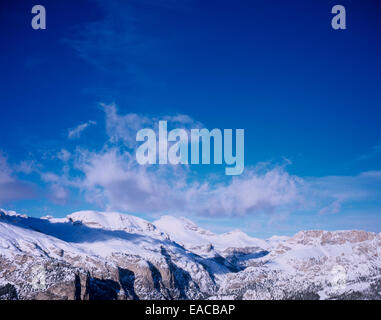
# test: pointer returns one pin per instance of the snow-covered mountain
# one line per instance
(97, 255)
(189, 235)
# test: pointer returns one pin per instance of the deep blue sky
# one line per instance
(301, 90)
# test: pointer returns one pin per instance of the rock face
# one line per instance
(92, 255)
(313, 265)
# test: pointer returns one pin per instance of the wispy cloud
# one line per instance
(63, 155)
(123, 128)
(118, 41)
(26, 167)
(332, 193)
(112, 179)
(77, 131)
(375, 152)
(332, 208)
(11, 188)
(111, 42)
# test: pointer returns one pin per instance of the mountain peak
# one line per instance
(11, 213)
(187, 233)
(111, 221)
(332, 237)
(110, 249)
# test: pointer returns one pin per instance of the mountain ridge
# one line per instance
(98, 255)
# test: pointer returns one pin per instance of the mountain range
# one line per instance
(92, 255)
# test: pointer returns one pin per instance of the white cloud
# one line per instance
(375, 152)
(124, 127)
(26, 167)
(64, 155)
(332, 208)
(114, 180)
(58, 194)
(11, 188)
(5, 170)
(252, 192)
(117, 40)
(332, 193)
(77, 131)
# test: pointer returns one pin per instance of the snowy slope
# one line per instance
(314, 265)
(98, 245)
(187, 233)
(86, 232)
(91, 255)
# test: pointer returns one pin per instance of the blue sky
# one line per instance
(308, 97)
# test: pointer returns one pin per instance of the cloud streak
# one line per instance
(123, 128)
(110, 178)
(12, 189)
(113, 179)
(375, 152)
(78, 130)
(121, 30)
(332, 193)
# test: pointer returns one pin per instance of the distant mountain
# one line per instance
(188, 234)
(97, 255)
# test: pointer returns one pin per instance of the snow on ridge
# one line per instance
(183, 231)
(15, 238)
(187, 233)
(108, 220)
(171, 222)
(276, 238)
(310, 260)
(321, 237)
(50, 236)
(11, 213)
